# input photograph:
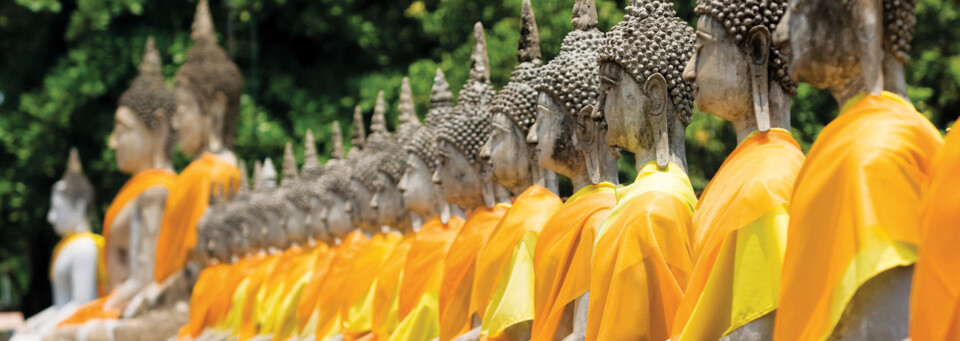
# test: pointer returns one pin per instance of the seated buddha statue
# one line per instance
(854, 236)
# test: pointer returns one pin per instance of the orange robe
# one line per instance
(562, 258)
(296, 279)
(854, 211)
(641, 259)
(740, 235)
(260, 275)
(131, 190)
(454, 305)
(335, 284)
(207, 299)
(384, 317)
(356, 307)
(307, 306)
(935, 296)
(503, 284)
(420, 285)
(185, 205)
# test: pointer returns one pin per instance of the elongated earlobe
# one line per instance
(655, 89)
(759, 44)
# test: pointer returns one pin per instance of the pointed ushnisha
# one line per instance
(244, 179)
(149, 93)
(528, 48)
(150, 62)
(257, 169)
(479, 62)
(311, 165)
(572, 77)
(378, 123)
(585, 15)
(359, 135)
(268, 175)
(289, 166)
(405, 106)
(337, 152)
(74, 184)
(203, 23)
(440, 94)
(73, 163)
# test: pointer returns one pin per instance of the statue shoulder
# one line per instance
(156, 195)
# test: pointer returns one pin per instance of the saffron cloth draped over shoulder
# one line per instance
(385, 298)
(935, 295)
(335, 284)
(739, 238)
(420, 285)
(562, 257)
(642, 258)
(131, 190)
(503, 285)
(356, 309)
(854, 211)
(455, 307)
(185, 205)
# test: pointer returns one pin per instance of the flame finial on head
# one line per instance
(337, 152)
(359, 134)
(479, 61)
(584, 15)
(73, 163)
(440, 94)
(310, 162)
(405, 106)
(289, 165)
(150, 62)
(203, 23)
(268, 175)
(528, 48)
(378, 123)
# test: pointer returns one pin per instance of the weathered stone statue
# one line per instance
(207, 95)
(387, 200)
(741, 77)
(556, 144)
(645, 106)
(857, 196)
(504, 305)
(141, 139)
(74, 266)
(362, 182)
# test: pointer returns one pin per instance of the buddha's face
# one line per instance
(339, 221)
(507, 153)
(239, 243)
(459, 180)
(820, 39)
(388, 203)
(253, 231)
(65, 214)
(295, 224)
(136, 146)
(419, 191)
(364, 217)
(316, 221)
(218, 248)
(552, 134)
(621, 103)
(189, 121)
(720, 73)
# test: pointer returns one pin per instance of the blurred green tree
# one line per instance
(63, 64)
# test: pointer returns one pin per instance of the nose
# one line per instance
(690, 70)
(781, 36)
(348, 207)
(373, 201)
(436, 176)
(112, 141)
(486, 151)
(402, 185)
(532, 134)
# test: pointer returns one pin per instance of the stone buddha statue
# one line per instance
(741, 77)
(363, 180)
(645, 106)
(335, 195)
(141, 140)
(387, 199)
(268, 206)
(74, 265)
(513, 112)
(462, 132)
(305, 192)
(856, 197)
(296, 205)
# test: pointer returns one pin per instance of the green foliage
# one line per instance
(307, 63)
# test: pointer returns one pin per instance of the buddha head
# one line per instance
(388, 200)
(141, 129)
(305, 193)
(235, 218)
(513, 113)
(207, 94)
(567, 140)
(843, 45)
(420, 194)
(463, 131)
(334, 193)
(736, 71)
(213, 238)
(644, 101)
(71, 199)
(297, 204)
(363, 180)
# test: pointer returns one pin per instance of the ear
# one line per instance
(218, 108)
(758, 45)
(655, 89)
(588, 147)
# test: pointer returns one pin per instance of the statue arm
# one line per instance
(83, 271)
(145, 229)
(580, 318)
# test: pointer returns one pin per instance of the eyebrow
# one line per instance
(499, 126)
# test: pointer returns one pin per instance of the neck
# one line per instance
(893, 77)
(677, 152)
(81, 227)
(579, 180)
